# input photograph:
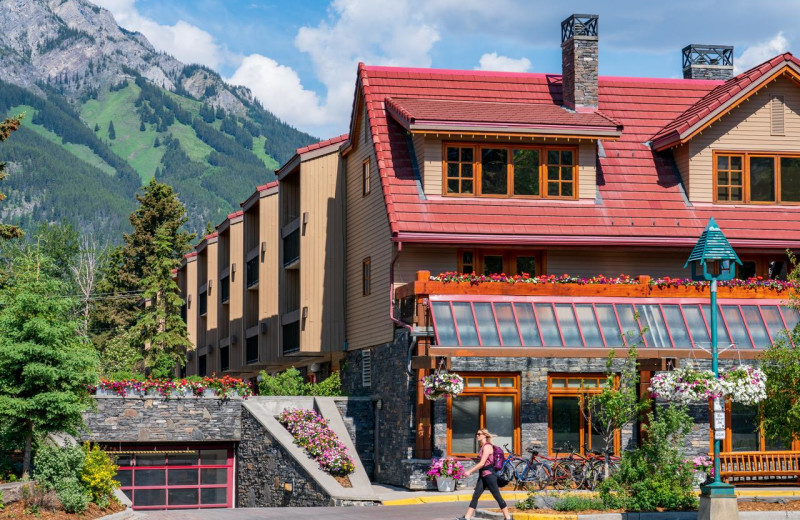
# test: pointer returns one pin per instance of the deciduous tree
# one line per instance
(6, 127)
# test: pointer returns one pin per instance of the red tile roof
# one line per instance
(322, 144)
(411, 111)
(639, 195)
(718, 99)
(267, 186)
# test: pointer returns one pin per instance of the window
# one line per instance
(510, 171)
(201, 366)
(365, 179)
(489, 401)
(252, 271)
(496, 262)
(291, 247)
(291, 337)
(570, 424)
(225, 289)
(743, 424)
(759, 178)
(366, 276)
(203, 299)
(224, 359)
(251, 350)
(772, 267)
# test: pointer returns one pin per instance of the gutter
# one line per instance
(580, 240)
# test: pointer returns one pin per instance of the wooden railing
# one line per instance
(759, 464)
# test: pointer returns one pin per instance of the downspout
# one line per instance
(391, 311)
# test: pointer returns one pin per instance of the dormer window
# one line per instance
(510, 171)
(757, 178)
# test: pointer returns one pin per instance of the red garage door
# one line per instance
(176, 477)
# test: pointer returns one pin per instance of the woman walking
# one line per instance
(487, 478)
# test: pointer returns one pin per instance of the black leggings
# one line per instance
(490, 482)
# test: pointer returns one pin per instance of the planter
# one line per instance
(700, 478)
(102, 392)
(209, 392)
(178, 393)
(152, 392)
(445, 484)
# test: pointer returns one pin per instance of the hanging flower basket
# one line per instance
(686, 385)
(744, 384)
(442, 383)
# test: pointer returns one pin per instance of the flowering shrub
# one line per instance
(311, 432)
(704, 464)
(441, 383)
(476, 279)
(98, 475)
(744, 384)
(446, 468)
(165, 387)
(686, 385)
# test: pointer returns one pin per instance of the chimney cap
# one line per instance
(704, 55)
(579, 25)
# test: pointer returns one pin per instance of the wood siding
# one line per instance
(269, 267)
(747, 128)
(191, 307)
(588, 263)
(322, 253)
(236, 302)
(368, 235)
(429, 158)
(682, 160)
(424, 258)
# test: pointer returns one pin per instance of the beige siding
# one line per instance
(235, 306)
(368, 235)
(322, 254)
(588, 263)
(421, 258)
(432, 164)
(269, 269)
(746, 128)
(211, 317)
(191, 307)
(682, 157)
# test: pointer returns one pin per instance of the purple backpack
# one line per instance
(498, 458)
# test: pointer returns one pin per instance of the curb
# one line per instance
(463, 497)
(119, 515)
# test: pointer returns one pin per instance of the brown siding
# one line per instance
(747, 128)
(211, 318)
(236, 305)
(587, 170)
(191, 308)
(428, 258)
(368, 235)
(610, 263)
(321, 254)
(269, 343)
(681, 155)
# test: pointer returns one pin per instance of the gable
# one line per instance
(747, 128)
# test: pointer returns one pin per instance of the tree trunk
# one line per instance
(26, 458)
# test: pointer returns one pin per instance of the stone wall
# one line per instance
(264, 467)
(155, 419)
(579, 71)
(358, 414)
(396, 390)
(715, 72)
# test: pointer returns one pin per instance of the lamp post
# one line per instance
(714, 254)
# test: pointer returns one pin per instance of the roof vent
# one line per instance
(707, 62)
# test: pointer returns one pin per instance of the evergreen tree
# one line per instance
(131, 263)
(111, 133)
(141, 127)
(156, 143)
(96, 127)
(45, 366)
(209, 228)
(160, 329)
(6, 127)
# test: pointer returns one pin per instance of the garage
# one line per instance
(175, 476)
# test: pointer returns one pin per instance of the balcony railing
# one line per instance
(291, 247)
(225, 289)
(252, 272)
(291, 338)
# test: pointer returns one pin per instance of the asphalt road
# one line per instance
(440, 511)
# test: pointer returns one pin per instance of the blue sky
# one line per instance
(299, 57)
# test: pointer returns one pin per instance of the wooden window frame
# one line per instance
(777, 156)
(762, 263)
(484, 392)
(581, 393)
(366, 276)
(477, 170)
(727, 445)
(365, 177)
(509, 259)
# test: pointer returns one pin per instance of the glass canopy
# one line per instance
(502, 321)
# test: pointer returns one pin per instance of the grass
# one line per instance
(80, 151)
(258, 149)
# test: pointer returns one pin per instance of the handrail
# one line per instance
(760, 463)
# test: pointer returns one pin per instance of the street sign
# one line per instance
(719, 434)
(719, 421)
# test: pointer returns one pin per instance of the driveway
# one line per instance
(442, 511)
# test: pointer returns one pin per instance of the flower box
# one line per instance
(743, 384)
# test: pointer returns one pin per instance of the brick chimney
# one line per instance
(707, 61)
(579, 62)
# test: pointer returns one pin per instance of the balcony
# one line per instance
(252, 272)
(225, 289)
(291, 248)
(203, 303)
(562, 316)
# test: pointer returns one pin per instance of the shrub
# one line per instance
(655, 475)
(73, 496)
(528, 503)
(289, 382)
(311, 432)
(53, 464)
(330, 387)
(98, 475)
(38, 498)
(574, 502)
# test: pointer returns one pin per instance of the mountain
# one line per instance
(105, 112)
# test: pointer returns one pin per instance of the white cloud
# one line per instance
(493, 61)
(761, 52)
(279, 89)
(186, 42)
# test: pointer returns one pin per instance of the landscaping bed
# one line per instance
(769, 505)
(16, 510)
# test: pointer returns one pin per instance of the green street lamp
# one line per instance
(714, 254)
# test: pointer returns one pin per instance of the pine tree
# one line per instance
(141, 127)
(45, 366)
(160, 329)
(96, 127)
(156, 143)
(111, 133)
(133, 262)
(6, 127)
